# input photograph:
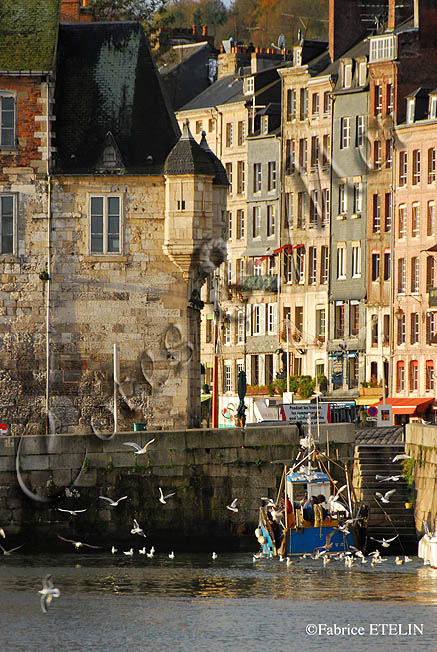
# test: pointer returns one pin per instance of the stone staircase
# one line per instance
(385, 519)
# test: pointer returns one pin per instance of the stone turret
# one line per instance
(196, 184)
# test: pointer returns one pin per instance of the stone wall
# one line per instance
(421, 444)
(206, 468)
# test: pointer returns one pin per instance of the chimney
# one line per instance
(344, 26)
(425, 18)
(398, 11)
(194, 29)
(75, 11)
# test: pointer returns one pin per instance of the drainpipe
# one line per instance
(49, 262)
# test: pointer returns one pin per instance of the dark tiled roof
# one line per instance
(379, 436)
(188, 78)
(188, 157)
(108, 81)
(223, 90)
(220, 178)
(28, 31)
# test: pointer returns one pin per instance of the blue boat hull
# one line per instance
(305, 540)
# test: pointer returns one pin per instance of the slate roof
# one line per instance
(392, 435)
(188, 157)
(107, 81)
(28, 33)
(220, 172)
(223, 90)
(188, 78)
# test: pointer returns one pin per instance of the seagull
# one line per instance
(2, 533)
(77, 544)
(136, 529)
(9, 552)
(289, 561)
(138, 449)
(348, 561)
(385, 542)
(402, 456)
(113, 550)
(387, 478)
(214, 556)
(171, 555)
(151, 553)
(73, 512)
(399, 561)
(269, 502)
(48, 592)
(128, 553)
(233, 506)
(112, 503)
(162, 498)
(407, 559)
(385, 498)
(152, 550)
(142, 551)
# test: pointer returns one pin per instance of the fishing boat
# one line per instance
(312, 511)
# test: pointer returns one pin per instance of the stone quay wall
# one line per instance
(421, 444)
(206, 469)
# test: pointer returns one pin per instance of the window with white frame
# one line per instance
(229, 134)
(320, 322)
(411, 110)
(228, 167)
(229, 270)
(378, 99)
(312, 265)
(240, 224)
(240, 327)
(314, 151)
(429, 378)
(402, 330)
(376, 265)
(377, 154)
(325, 150)
(357, 198)
(241, 132)
(362, 73)
(431, 164)
(324, 267)
(400, 376)
(326, 103)
(402, 221)
(7, 120)
(389, 98)
(382, 48)
(240, 177)
(288, 267)
(430, 227)
(257, 319)
(403, 169)
(256, 221)
(376, 213)
(301, 209)
(257, 177)
(345, 133)
(416, 167)
(300, 265)
(291, 104)
(388, 153)
(347, 75)
(341, 260)
(249, 85)
(325, 207)
(414, 327)
(227, 377)
(105, 224)
(342, 205)
(303, 103)
(272, 175)
(315, 104)
(289, 200)
(414, 274)
(388, 211)
(433, 107)
(430, 272)
(264, 124)
(402, 276)
(314, 208)
(271, 317)
(303, 154)
(356, 259)
(359, 136)
(415, 220)
(7, 224)
(271, 219)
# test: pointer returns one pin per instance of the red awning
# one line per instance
(408, 405)
(288, 248)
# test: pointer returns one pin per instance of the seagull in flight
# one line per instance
(113, 550)
(387, 478)
(77, 544)
(385, 498)
(171, 555)
(136, 529)
(2, 533)
(142, 551)
(151, 553)
(112, 503)
(48, 592)
(9, 552)
(385, 542)
(162, 498)
(402, 456)
(233, 506)
(138, 449)
(73, 512)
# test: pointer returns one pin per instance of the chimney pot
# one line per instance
(205, 30)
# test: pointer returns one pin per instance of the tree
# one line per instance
(141, 10)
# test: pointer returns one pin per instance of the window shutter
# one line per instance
(262, 319)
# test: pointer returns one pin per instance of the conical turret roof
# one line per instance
(187, 157)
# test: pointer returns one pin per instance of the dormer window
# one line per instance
(362, 73)
(382, 48)
(433, 108)
(410, 110)
(297, 56)
(347, 75)
(249, 85)
(264, 124)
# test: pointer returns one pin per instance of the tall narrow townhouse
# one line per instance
(415, 264)
(401, 56)
(304, 255)
(348, 244)
(258, 272)
(228, 111)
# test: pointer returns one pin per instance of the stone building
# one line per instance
(108, 224)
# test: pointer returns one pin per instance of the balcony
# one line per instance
(267, 283)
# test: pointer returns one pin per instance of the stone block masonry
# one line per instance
(206, 469)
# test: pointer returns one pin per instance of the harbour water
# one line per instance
(192, 604)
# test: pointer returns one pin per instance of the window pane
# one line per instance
(96, 205)
(7, 205)
(96, 243)
(113, 206)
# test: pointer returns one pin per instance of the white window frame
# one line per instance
(345, 133)
(12, 96)
(272, 175)
(257, 177)
(382, 48)
(341, 260)
(240, 327)
(312, 265)
(356, 259)
(105, 197)
(358, 197)
(227, 376)
(271, 220)
(13, 197)
(342, 199)
(360, 127)
(272, 318)
(249, 85)
(256, 222)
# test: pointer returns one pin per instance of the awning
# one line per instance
(408, 405)
(367, 400)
